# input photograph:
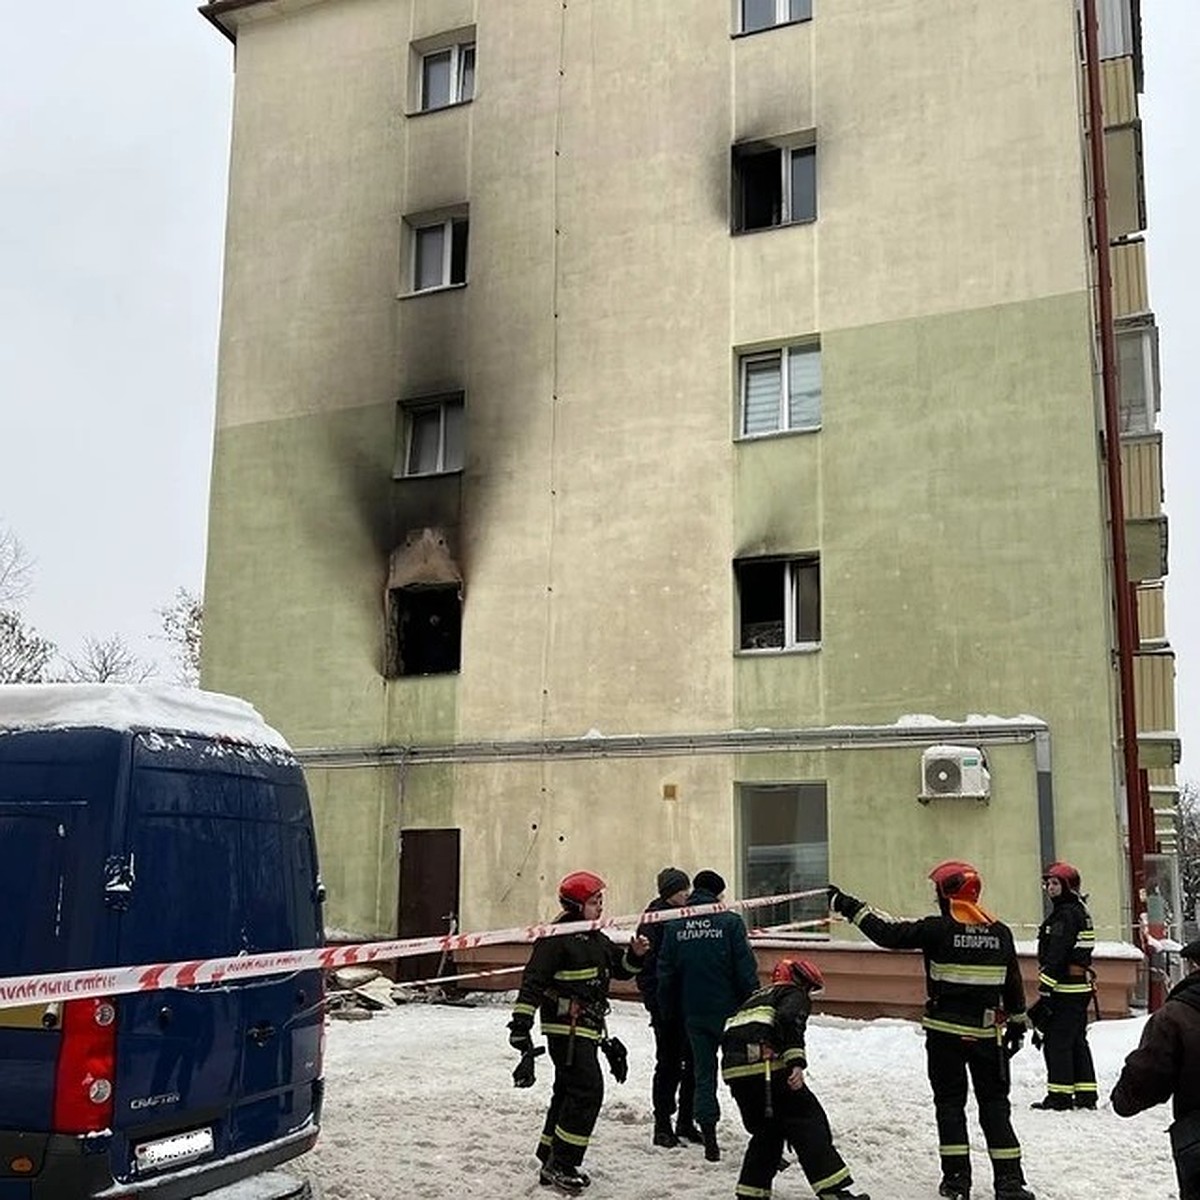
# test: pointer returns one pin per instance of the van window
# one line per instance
(33, 884)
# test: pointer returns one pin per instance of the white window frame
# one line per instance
(1145, 420)
(784, 159)
(445, 281)
(791, 606)
(411, 409)
(783, 16)
(457, 52)
(779, 355)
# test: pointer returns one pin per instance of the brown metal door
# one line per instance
(428, 894)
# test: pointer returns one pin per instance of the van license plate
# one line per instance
(171, 1151)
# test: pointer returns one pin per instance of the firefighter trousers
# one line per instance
(797, 1119)
(673, 1072)
(575, 1100)
(1069, 1069)
(950, 1059)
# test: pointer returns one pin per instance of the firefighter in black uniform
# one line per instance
(567, 978)
(763, 1061)
(1060, 1013)
(974, 1020)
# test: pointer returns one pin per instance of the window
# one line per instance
(767, 406)
(424, 629)
(439, 254)
(779, 602)
(785, 847)
(430, 438)
(774, 186)
(764, 14)
(1137, 373)
(448, 77)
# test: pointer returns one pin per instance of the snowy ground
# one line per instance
(420, 1103)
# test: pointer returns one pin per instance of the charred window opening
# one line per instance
(779, 602)
(425, 624)
(773, 185)
(439, 253)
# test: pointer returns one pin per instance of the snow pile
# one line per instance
(122, 707)
(420, 1102)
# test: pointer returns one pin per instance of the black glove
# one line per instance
(1014, 1038)
(842, 903)
(518, 1034)
(618, 1058)
(1041, 1012)
(1036, 1040)
(524, 1073)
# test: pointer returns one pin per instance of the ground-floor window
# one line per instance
(785, 848)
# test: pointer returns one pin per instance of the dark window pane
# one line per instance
(435, 80)
(458, 252)
(431, 243)
(761, 601)
(804, 185)
(452, 458)
(800, 10)
(466, 73)
(427, 629)
(760, 187)
(808, 600)
(785, 832)
(757, 14)
(423, 441)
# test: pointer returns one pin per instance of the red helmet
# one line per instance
(576, 889)
(800, 971)
(956, 880)
(1066, 874)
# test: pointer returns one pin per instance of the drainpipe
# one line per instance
(1126, 617)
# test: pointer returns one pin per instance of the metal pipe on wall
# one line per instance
(1123, 591)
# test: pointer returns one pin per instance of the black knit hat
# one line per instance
(709, 881)
(1191, 951)
(672, 880)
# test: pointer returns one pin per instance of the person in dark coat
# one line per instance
(706, 968)
(673, 1074)
(1060, 1014)
(974, 1019)
(567, 979)
(1167, 1064)
(763, 1061)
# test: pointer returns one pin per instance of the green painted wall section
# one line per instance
(300, 530)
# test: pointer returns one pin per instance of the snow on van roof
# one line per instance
(133, 706)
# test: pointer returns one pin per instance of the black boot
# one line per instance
(1086, 1100)
(685, 1131)
(955, 1187)
(663, 1136)
(570, 1181)
(712, 1152)
(1013, 1189)
(843, 1193)
(1053, 1102)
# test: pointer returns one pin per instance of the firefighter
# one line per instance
(567, 977)
(763, 1061)
(974, 1019)
(673, 1072)
(1060, 1013)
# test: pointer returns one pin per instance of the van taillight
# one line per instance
(87, 1063)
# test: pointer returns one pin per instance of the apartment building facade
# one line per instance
(670, 431)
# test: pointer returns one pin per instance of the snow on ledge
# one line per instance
(124, 707)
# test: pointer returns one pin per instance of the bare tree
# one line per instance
(24, 655)
(16, 569)
(183, 628)
(107, 660)
(1189, 849)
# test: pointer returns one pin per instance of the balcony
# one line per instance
(1145, 524)
(1154, 698)
(1130, 291)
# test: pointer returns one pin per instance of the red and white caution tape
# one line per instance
(116, 981)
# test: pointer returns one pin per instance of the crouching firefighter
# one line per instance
(567, 978)
(974, 1020)
(763, 1061)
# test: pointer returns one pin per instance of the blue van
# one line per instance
(154, 825)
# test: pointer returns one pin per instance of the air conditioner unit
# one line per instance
(954, 772)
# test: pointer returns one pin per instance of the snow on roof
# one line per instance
(25, 706)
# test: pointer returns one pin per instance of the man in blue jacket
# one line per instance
(706, 969)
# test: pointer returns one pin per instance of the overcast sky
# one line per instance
(113, 155)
